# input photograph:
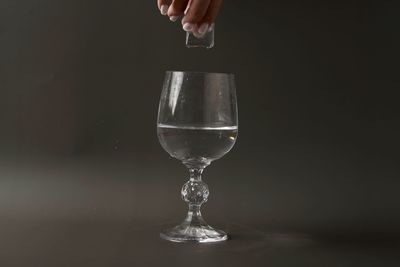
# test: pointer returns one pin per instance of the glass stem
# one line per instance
(195, 174)
(195, 192)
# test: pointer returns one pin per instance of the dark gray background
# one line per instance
(312, 181)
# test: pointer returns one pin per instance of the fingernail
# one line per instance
(164, 10)
(187, 27)
(203, 29)
(173, 18)
(211, 28)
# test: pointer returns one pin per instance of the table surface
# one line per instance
(61, 215)
(92, 215)
(130, 243)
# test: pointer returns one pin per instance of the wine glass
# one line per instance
(197, 124)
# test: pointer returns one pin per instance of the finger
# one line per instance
(212, 12)
(177, 7)
(199, 31)
(163, 6)
(188, 6)
(196, 32)
(196, 11)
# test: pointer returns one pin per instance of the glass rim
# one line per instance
(199, 72)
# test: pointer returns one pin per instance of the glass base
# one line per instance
(194, 228)
(194, 233)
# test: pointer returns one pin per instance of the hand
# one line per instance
(198, 15)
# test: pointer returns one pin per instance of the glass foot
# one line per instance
(194, 228)
(194, 233)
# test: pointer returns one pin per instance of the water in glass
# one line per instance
(190, 143)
